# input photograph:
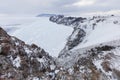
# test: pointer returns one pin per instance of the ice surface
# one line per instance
(10, 24)
(50, 36)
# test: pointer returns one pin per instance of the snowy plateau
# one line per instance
(60, 47)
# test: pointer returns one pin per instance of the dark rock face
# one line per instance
(105, 48)
(72, 42)
(3, 33)
(68, 21)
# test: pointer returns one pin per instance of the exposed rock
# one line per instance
(68, 21)
(74, 39)
(19, 61)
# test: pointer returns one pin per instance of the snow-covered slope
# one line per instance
(105, 31)
(50, 36)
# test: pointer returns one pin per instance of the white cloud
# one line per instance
(84, 3)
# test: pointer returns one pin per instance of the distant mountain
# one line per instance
(45, 15)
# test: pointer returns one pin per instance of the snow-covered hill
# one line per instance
(93, 30)
(105, 31)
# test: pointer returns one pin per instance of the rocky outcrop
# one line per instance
(68, 21)
(74, 39)
(19, 61)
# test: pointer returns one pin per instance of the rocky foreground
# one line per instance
(19, 61)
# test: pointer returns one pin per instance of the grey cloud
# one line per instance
(54, 6)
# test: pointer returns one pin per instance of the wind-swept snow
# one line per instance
(51, 37)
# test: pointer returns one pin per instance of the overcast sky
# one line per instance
(56, 6)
